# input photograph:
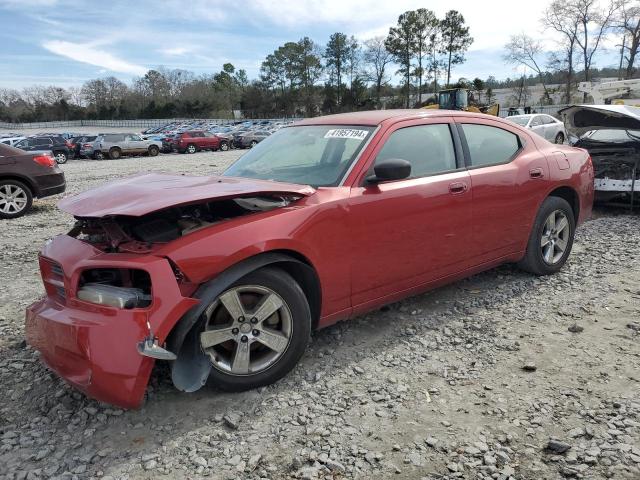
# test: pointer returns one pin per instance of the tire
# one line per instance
(548, 258)
(191, 148)
(253, 143)
(15, 199)
(559, 138)
(224, 146)
(60, 157)
(98, 156)
(115, 153)
(153, 151)
(288, 330)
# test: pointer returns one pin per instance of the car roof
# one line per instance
(377, 117)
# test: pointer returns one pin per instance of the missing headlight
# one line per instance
(115, 287)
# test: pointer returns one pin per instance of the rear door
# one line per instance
(508, 177)
(537, 125)
(408, 232)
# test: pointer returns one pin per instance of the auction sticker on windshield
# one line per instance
(347, 133)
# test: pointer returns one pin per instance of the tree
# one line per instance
(594, 23)
(354, 55)
(426, 27)
(376, 59)
(455, 39)
(627, 22)
(524, 50)
(335, 56)
(489, 96)
(401, 44)
(478, 86)
(557, 17)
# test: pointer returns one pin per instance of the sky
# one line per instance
(65, 43)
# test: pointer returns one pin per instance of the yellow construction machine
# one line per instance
(458, 99)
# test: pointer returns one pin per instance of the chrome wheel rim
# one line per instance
(555, 237)
(13, 199)
(61, 158)
(224, 147)
(192, 149)
(248, 330)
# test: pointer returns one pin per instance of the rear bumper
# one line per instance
(50, 184)
(94, 347)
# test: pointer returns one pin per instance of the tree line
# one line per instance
(302, 78)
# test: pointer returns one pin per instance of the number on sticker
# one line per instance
(348, 133)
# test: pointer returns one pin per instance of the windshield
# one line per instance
(519, 120)
(317, 155)
(614, 136)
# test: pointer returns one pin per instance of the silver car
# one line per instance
(544, 125)
(114, 145)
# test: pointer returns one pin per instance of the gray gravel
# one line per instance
(499, 376)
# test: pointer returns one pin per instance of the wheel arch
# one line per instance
(35, 192)
(191, 368)
(571, 196)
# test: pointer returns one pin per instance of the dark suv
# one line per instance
(24, 176)
(51, 143)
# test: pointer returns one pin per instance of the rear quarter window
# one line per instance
(490, 145)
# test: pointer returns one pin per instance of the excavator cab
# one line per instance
(453, 99)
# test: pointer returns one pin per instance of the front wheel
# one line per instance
(191, 148)
(256, 331)
(551, 238)
(224, 146)
(253, 143)
(153, 151)
(115, 153)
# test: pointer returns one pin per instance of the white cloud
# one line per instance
(87, 53)
(175, 51)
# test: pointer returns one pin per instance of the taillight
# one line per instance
(86, 145)
(44, 160)
(69, 145)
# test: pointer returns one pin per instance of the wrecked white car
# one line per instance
(611, 135)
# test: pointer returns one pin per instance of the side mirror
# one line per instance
(390, 169)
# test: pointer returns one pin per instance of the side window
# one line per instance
(548, 120)
(490, 145)
(134, 138)
(429, 149)
(536, 121)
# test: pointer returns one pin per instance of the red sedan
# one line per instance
(225, 277)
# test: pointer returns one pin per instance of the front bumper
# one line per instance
(94, 347)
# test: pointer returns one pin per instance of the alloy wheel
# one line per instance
(191, 149)
(13, 199)
(248, 330)
(555, 237)
(61, 158)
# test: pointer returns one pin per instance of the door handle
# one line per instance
(536, 173)
(457, 188)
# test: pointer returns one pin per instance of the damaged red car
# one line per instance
(225, 277)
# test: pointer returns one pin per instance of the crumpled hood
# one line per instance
(580, 119)
(146, 193)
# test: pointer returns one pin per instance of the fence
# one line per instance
(155, 122)
(548, 109)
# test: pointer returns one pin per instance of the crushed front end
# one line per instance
(97, 310)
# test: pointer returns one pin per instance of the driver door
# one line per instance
(407, 233)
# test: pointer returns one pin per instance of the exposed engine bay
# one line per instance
(139, 234)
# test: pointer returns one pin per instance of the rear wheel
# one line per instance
(191, 148)
(559, 138)
(256, 331)
(98, 156)
(253, 143)
(551, 238)
(153, 151)
(224, 146)
(115, 153)
(60, 157)
(15, 199)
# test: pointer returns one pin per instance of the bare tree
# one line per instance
(376, 58)
(627, 22)
(524, 50)
(557, 17)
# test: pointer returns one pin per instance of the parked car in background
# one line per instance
(25, 176)
(56, 144)
(115, 145)
(225, 277)
(11, 141)
(544, 125)
(193, 141)
(79, 141)
(611, 134)
(251, 138)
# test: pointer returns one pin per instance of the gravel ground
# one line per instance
(500, 376)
